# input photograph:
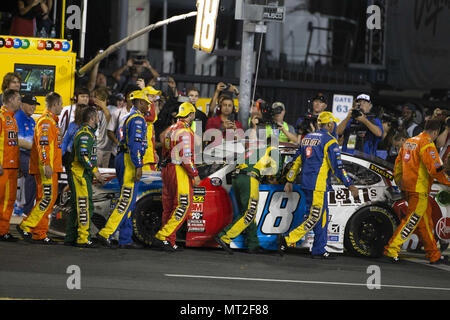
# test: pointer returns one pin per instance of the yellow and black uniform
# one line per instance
(82, 167)
(246, 188)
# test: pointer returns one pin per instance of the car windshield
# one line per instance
(375, 160)
(359, 175)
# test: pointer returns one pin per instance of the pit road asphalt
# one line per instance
(32, 271)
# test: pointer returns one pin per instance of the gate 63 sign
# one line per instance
(205, 27)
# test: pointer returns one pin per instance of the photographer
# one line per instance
(361, 127)
(135, 68)
(308, 123)
(272, 120)
(226, 117)
(221, 89)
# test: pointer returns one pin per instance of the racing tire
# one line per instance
(147, 217)
(369, 230)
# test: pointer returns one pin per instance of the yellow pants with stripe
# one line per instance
(120, 218)
(177, 201)
(46, 194)
(317, 221)
(418, 218)
(84, 206)
(248, 215)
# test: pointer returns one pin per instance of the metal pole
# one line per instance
(245, 84)
(164, 39)
(54, 12)
(83, 29)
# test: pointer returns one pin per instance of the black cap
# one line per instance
(320, 96)
(30, 99)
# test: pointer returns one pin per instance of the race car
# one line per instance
(360, 226)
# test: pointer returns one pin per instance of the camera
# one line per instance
(357, 112)
(393, 121)
(310, 119)
(266, 112)
(139, 60)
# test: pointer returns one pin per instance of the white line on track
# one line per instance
(303, 281)
(427, 263)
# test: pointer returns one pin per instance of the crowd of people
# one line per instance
(123, 122)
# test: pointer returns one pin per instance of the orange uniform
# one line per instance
(150, 157)
(9, 160)
(46, 150)
(416, 167)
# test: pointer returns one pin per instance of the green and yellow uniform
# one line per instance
(82, 167)
(264, 162)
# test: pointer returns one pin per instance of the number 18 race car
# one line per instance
(360, 226)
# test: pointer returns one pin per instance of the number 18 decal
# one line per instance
(205, 27)
(279, 211)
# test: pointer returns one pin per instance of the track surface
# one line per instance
(30, 271)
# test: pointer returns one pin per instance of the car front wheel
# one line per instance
(369, 230)
(147, 218)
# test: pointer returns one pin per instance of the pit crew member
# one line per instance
(178, 171)
(9, 160)
(83, 168)
(45, 164)
(150, 156)
(416, 167)
(129, 162)
(319, 156)
(266, 162)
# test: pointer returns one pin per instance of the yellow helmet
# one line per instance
(139, 94)
(326, 117)
(184, 109)
(152, 91)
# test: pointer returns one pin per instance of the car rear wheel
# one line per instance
(369, 230)
(147, 218)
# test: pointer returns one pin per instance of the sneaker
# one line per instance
(105, 242)
(325, 256)
(8, 238)
(223, 244)
(282, 245)
(441, 260)
(132, 245)
(177, 248)
(88, 245)
(163, 245)
(45, 241)
(25, 235)
(394, 260)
